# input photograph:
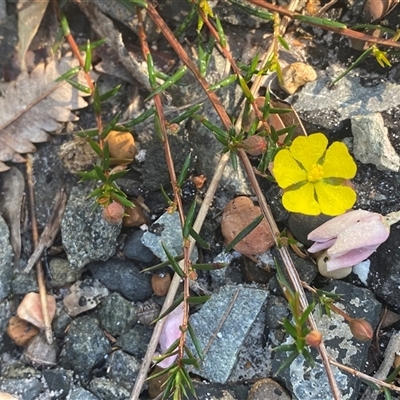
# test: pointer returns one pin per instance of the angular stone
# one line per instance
(123, 276)
(85, 235)
(85, 346)
(167, 230)
(235, 308)
(371, 142)
(117, 315)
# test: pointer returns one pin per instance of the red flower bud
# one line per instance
(254, 145)
(113, 213)
(361, 329)
(314, 338)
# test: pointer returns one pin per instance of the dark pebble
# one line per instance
(135, 249)
(117, 315)
(136, 340)
(301, 225)
(108, 390)
(85, 346)
(124, 277)
(122, 369)
(58, 381)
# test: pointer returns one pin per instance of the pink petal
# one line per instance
(332, 228)
(350, 259)
(318, 246)
(360, 235)
(170, 333)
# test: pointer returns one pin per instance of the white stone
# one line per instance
(371, 142)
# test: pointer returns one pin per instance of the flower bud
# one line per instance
(254, 145)
(113, 213)
(314, 338)
(361, 329)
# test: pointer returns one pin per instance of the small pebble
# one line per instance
(296, 75)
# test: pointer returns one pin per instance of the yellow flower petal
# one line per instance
(334, 200)
(338, 162)
(309, 149)
(301, 200)
(286, 170)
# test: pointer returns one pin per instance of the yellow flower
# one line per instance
(314, 177)
(380, 57)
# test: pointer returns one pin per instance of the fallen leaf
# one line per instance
(30, 309)
(12, 187)
(35, 104)
(29, 18)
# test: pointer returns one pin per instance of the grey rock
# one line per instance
(24, 283)
(136, 340)
(349, 97)
(124, 277)
(117, 315)
(19, 370)
(58, 381)
(277, 310)
(134, 248)
(106, 389)
(122, 369)
(311, 384)
(62, 273)
(154, 173)
(6, 259)
(384, 273)
(85, 295)
(82, 394)
(5, 315)
(167, 230)
(371, 142)
(85, 346)
(223, 352)
(85, 235)
(26, 389)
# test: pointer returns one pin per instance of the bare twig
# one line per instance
(341, 31)
(361, 375)
(35, 237)
(50, 231)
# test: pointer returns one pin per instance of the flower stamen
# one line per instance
(316, 173)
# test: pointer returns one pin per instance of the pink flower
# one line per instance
(170, 332)
(351, 237)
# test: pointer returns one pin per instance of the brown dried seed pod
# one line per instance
(148, 312)
(160, 283)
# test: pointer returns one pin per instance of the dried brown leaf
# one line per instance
(35, 104)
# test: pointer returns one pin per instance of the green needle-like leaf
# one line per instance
(189, 220)
(169, 82)
(78, 86)
(110, 126)
(221, 33)
(198, 299)
(225, 82)
(186, 114)
(200, 241)
(142, 117)
(184, 170)
(105, 96)
(243, 233)
(88, 57)
(195, 341)
(69, 74)
(286, 363)
(172, 307)
(175, 266)
(319, 21)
